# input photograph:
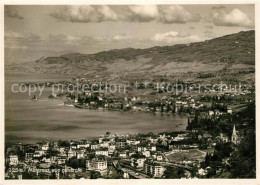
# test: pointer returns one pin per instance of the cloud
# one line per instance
(161, 13)
(175, 37)
(166, 14)
(176, 14)
(12, 13)
(142, 13)
(72, 39)
(21, 36)
(84, 14)
(122, 36)
(21, 41)
(235, 18)
(62, 37)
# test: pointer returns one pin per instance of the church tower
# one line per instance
(234, 137)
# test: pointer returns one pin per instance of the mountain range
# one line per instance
(235, 51)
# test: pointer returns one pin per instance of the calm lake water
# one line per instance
(30, 121)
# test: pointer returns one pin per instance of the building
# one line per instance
(211, 113)
(13, 160)
(71, 153)
(45, 146)
(121, 143)
(229, 111)
(102, 151)
(122, 155)
(146, 153)
(98, 164)
(153, 169)
(111, 149)
(80, 154)
(28, 156)
(224, 138)
(82, 144)
(137, 160)
(234, 138)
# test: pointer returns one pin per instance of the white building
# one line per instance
(154, 169)
(102, 152)
(71, 153)
(96, 164)
(234, 138)
(13, 160)
(146, 153)
(80, 154)
(137, 161)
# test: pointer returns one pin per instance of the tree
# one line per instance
(243, 161)
(173, 173)
(95, 175)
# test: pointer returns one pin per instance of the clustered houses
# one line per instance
(167, 102)
(142, 154)
(185, 104)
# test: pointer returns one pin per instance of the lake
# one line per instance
(30, 121)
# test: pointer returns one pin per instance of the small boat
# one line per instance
(80, 106)
(34, 98)
(69, 105)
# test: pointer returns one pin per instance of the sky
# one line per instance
(33, 31)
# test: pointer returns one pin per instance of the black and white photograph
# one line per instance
(129, 91)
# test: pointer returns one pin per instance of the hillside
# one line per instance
(234, 51)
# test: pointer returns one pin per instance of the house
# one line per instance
(105, 142)
(153, 169)
(111, 149)
(141, 148)
(202, 172)
(80, 154)
(94, 146)
(13, 160)
(28, 156)
(132, 142)
(146, 153)
(122, 154)
(137, 160)
(102, 151)
(159, 158)
(98, 164)
(229, 111)
(224, 138)
(120, 143)
(153, 139)
(61, 161)
(153, 148)
(45, 146)
(38, 153)
(61, 150)
(82, 144)
(211, 113)
(71, 153)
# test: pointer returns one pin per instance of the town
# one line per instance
(213, 145)
(220, 123)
